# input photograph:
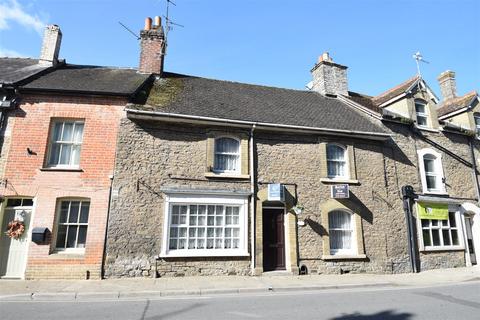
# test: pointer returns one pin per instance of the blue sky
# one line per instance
(270, 42)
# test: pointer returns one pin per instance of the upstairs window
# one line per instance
(476, 117)
(422, 113)
(227, 155)
(65, 144)
(431, 171)
(336, 161)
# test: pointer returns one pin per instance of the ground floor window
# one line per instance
(441, 234)
(72, 225)
(203, 226)
(341, 230)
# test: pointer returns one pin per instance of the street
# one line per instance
(459, 301)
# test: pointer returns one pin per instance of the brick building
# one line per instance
(59, 163)
(216, 177)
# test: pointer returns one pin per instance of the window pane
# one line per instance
(336, 168)
(451, 218)
(65, 152)
(57, 131)
(67, 135)
(61, 234)
(27, 202)
(339, 220)
(84, 212)
(72, 236)
(82, 236)
(421, 121)
(78, 136)
(455, 240)
(64, 211)
(425, 223)
(173, 244)
(427, 241)
(436, 237)
(226, 145)
(74, 210)
(14, 202)
(431, 182)
(420, 108)
(335, 152)
(54, 154)
(75, 155)
(429, 165)
(446, 238)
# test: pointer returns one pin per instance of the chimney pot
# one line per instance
(448, 85)
(158, 22)
(148, 23)
(324, 57)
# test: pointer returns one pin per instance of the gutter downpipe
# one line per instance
(253, 198)
(474, 170)
(408, 195)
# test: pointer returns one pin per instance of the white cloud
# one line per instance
(10, 53)
(12, 11)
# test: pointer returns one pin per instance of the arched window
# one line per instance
(421, 112)
(340, 229)
(227, 155)
(336, 161)
(431, 171)
(476, 117)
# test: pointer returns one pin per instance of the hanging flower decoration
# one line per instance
(15, 229)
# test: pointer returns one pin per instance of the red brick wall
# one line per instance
(25, 178)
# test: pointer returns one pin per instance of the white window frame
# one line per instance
(209, 199)
(57, 224)
(440, 189)
(461, 246)
(353, 245)
(345, 159)
(422, 114)
(238, 168)
(476, 120)
(73, 143)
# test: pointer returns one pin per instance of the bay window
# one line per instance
(205, 226)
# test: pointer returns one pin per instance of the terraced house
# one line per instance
(217, 177)
(59, 157)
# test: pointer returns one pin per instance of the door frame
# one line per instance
(286, 234)
(473, 212)
(28, 234)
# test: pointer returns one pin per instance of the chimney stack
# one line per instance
(329, 78)
(152, 47)
(52, 39)
(448, 86)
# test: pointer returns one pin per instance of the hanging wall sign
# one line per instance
(432, 211)
(276, 192)
(340, 191)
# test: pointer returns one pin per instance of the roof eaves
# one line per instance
(151, 115)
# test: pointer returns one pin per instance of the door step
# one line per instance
(277, 273)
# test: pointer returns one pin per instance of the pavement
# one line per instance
(144, 288)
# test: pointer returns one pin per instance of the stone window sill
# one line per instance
(345, 257)
(429, 129)
(61, 255)
(226, 175)
(442, 249)
(347, 181)
(62, 169)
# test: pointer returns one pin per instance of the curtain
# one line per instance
(340, 228)
(336, 161)
(227, 154)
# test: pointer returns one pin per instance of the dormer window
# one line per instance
(421, 112)
(476, 117)
(227, 155)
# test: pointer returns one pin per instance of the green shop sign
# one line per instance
(432, 211)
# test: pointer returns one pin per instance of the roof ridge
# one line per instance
(378, 97)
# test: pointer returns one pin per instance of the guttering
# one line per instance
(174, 117)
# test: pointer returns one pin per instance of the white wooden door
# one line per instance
(13, 252)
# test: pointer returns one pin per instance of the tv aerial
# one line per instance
(419, 58)
(169, 23)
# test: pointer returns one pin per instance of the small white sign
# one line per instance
(276, 192)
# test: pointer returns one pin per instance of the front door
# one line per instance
(273, 239)
(13, 252)
(471, 249)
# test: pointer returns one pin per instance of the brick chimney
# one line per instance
(448, 86)
(52, 39)
(329, 78)
(152, 47)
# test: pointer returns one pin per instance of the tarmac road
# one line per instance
(456, 301)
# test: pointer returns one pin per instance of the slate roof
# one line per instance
(364, 100)
(452, 105)
(15, 70)
(188, 95)
(395, 91)
(90, 80)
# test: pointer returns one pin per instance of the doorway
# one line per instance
(471, 249)
(13, 252)
(273, 239)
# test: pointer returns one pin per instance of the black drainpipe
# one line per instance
(408, 195)
(474, 169)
